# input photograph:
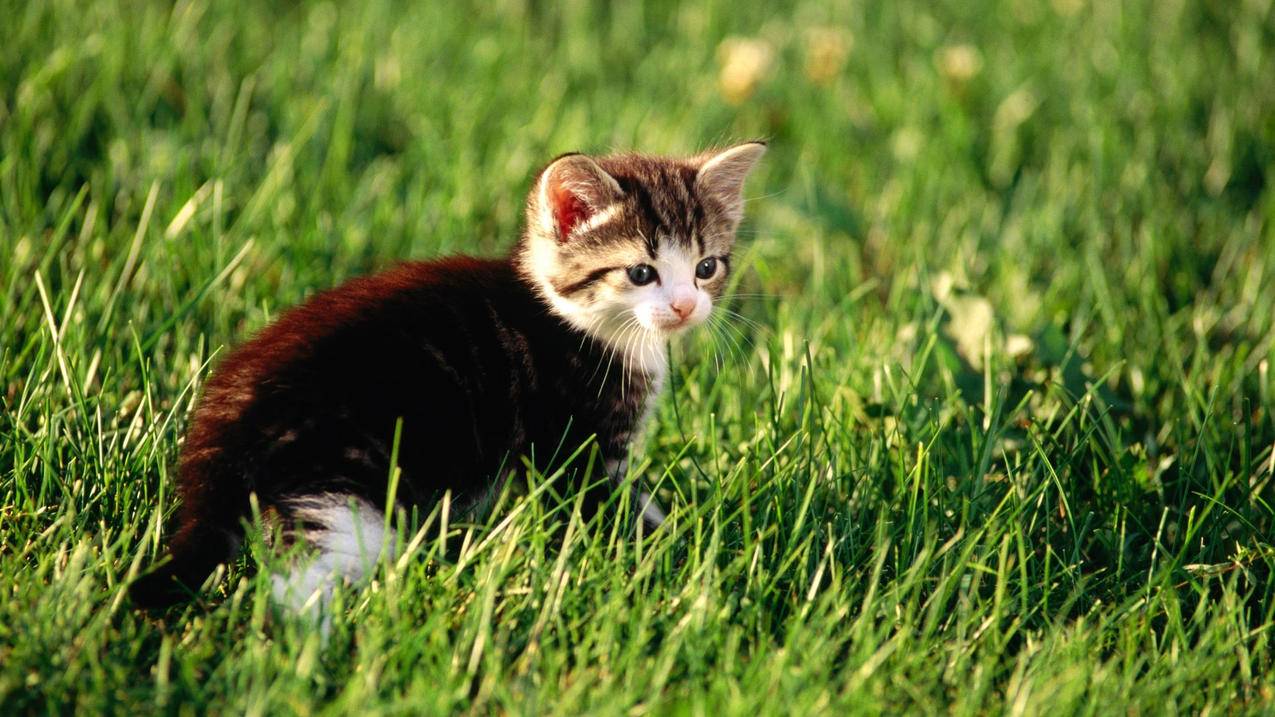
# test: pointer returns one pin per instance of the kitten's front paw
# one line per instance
(649, 511)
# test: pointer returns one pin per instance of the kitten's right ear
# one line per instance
(720, 179)
(572, 190)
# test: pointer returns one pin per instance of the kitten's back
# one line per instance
(310, 404)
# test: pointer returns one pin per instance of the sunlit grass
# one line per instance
(989, 429)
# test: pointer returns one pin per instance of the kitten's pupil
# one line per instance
(706, 268)
(642, 274)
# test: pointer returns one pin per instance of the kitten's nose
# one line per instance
(682, 306)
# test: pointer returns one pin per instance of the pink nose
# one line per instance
(683, 306)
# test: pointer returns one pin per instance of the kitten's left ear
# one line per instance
(721, 178)
(572, 190)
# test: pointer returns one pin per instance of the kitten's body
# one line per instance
(484, 362)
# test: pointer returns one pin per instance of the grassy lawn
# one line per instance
(990, 428)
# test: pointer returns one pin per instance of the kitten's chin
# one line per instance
(673, 328)
(669, 330)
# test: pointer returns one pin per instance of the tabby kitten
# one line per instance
(483, 361)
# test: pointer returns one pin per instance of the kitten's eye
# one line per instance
(705, 269)
(642, 274)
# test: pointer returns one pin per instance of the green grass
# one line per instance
(993, 434)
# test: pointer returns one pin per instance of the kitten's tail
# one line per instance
(195, 552)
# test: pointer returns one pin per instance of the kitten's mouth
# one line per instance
(673, 327)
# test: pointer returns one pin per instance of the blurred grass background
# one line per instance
(991, 431)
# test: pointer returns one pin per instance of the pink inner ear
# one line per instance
(568, 210)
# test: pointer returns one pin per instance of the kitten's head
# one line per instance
(631, 244)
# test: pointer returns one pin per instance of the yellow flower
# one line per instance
(1068, 8)
(959, 63)
(826, 51)
(744, 62)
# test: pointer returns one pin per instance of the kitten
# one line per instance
(484, 362)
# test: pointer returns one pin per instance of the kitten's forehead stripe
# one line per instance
(661, 194)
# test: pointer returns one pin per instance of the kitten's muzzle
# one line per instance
(683, 306)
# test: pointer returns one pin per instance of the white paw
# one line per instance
(650, 511)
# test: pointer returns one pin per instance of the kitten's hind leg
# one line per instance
(345, 537)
